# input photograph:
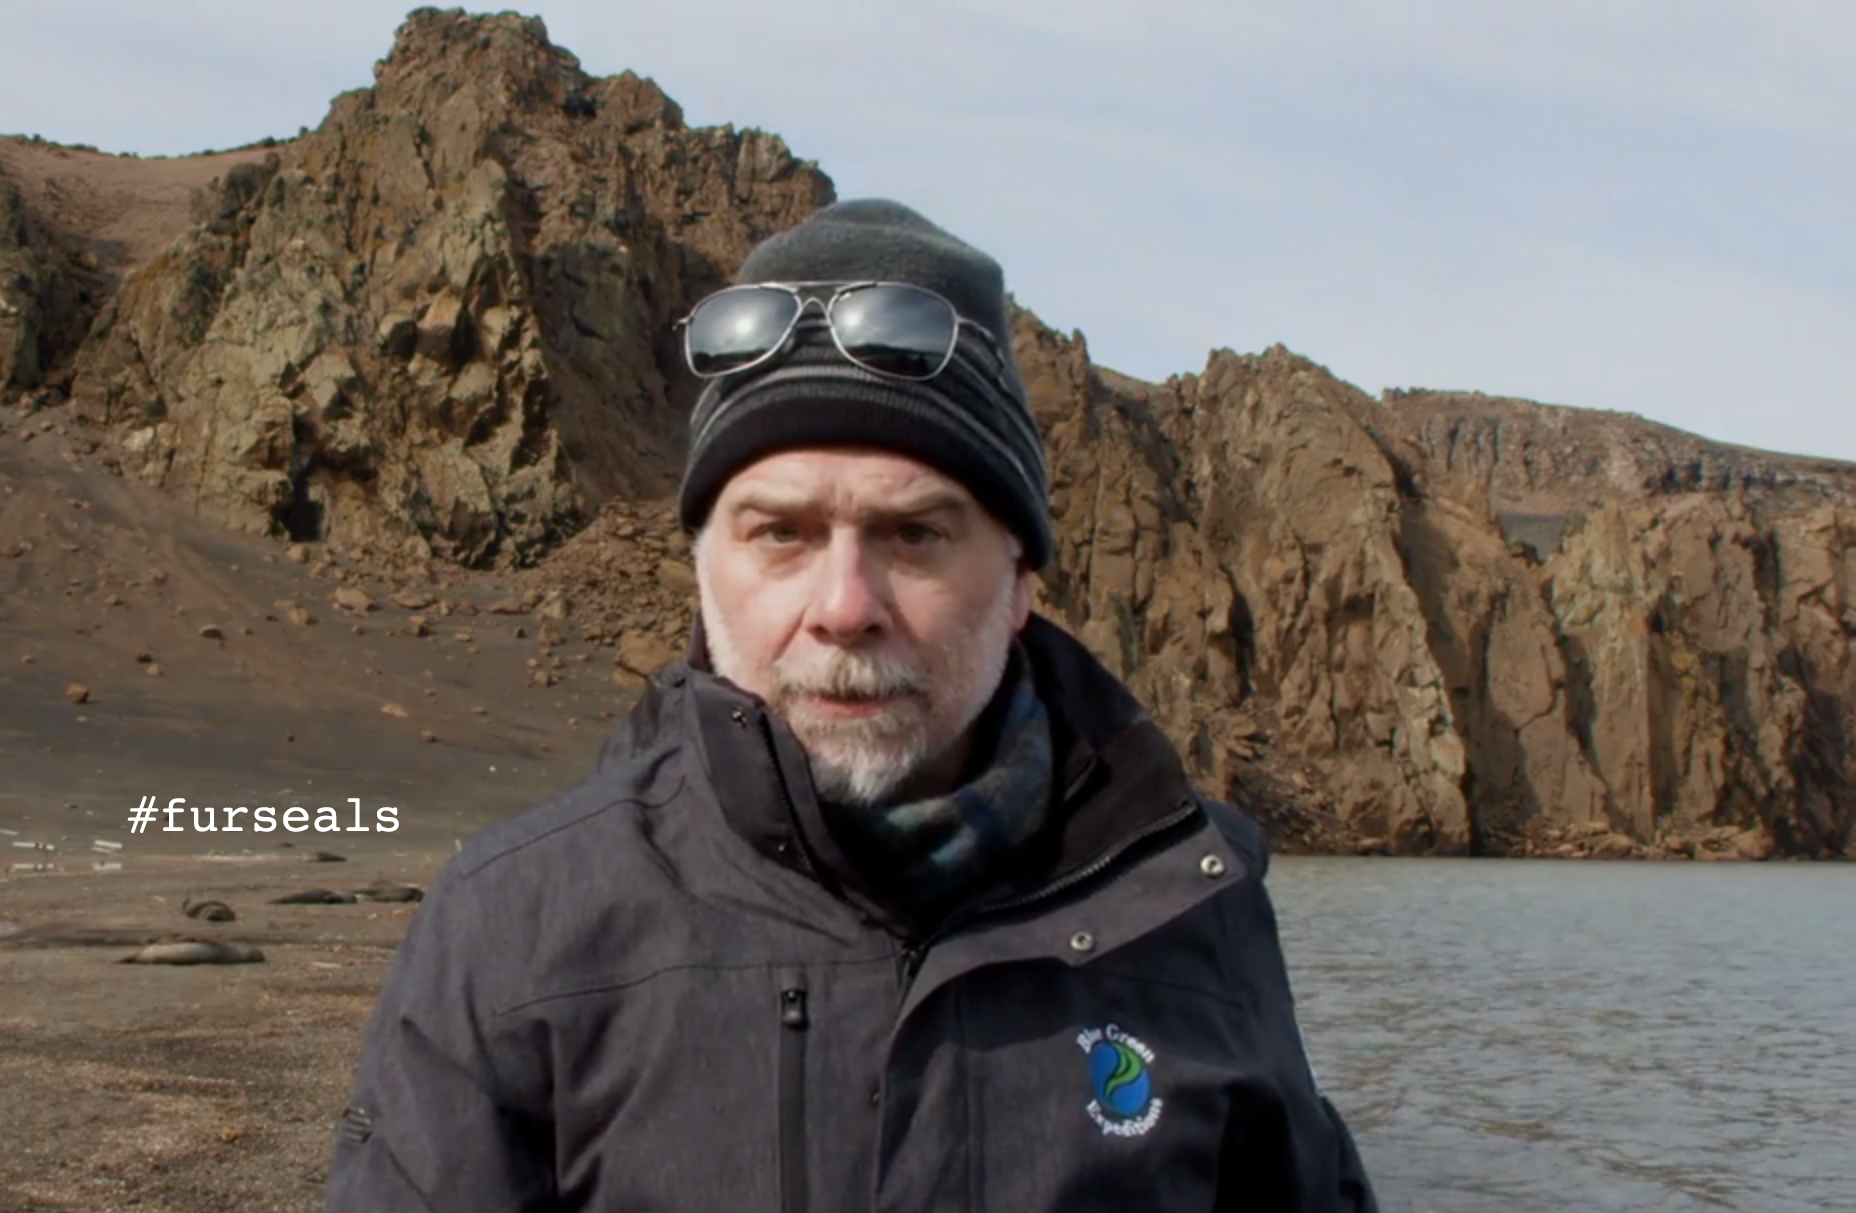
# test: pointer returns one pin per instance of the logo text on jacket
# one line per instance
(1121, 1081)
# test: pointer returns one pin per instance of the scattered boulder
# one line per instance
(644, 654)
(1615, 846)
(676, 576)
(1753, 844)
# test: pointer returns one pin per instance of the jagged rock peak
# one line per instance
(439, 322)
(435, 50)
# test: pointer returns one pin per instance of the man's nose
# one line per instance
(848, 599)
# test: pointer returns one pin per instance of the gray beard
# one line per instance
(872, 763)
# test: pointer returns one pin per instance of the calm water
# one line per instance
(1523, 1037)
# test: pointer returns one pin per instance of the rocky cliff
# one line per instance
(437, 320)
(435, 331)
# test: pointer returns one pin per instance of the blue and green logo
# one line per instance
(1121, 1081)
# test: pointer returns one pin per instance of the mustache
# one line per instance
(851, 676)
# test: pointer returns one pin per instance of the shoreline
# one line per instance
(151, 1087)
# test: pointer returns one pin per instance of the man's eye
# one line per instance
(778, 533)
(916, 534)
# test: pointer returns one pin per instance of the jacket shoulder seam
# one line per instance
(511, 848)
(609, 987)
(1222, 997)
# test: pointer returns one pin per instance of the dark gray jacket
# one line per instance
(665, 991)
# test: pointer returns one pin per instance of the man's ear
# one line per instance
(1023, 581)
(697, 652)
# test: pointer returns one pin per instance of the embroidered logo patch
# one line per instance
(1121, 1081)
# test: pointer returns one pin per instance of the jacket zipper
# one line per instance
(795, 1026)
(910, 960)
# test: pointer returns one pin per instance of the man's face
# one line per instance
(871, 601)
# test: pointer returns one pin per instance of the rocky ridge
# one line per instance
(436, 322)
(433, 336)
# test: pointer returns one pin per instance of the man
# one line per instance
(889, 896)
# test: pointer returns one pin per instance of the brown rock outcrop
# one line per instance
(1227, 543)
(47, 288)
(439, 320)
(1304, 582)
(73, 223)
(1699, 597)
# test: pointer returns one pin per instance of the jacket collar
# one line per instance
(1116, 774)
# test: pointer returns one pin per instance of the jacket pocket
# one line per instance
(795, 1027)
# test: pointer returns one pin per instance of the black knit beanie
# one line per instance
(972, 421)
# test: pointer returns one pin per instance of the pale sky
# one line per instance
(1642, 205)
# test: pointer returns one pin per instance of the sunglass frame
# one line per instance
(798, 290)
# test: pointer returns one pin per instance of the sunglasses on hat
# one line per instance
(893, 329)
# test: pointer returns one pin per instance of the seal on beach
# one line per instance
(210, 911)
(195, 952)
(388, 890)
(315, 897)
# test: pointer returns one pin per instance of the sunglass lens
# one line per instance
(734, 328)
(895, 330)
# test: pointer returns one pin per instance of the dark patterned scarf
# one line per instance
(927, 856)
